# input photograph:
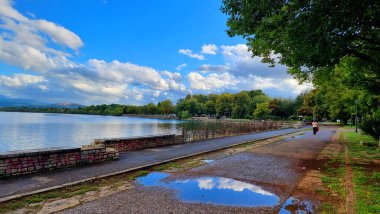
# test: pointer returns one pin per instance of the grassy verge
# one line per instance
(333, 179)
(366, 171)
(37, 198)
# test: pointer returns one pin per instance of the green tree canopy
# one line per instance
(307, 35)
(262, 111)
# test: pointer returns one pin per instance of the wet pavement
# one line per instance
(260, 180)
(127, 160)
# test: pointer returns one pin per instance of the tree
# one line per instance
(308, 35)
(240, 107)
(224, 104)
(165, 107)
(262, 111)
(151, 109)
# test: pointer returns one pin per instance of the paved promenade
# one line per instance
(128, 160)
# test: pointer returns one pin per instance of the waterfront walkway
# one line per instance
(127, 160)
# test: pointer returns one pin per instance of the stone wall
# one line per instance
(31, 161)
(136, 143)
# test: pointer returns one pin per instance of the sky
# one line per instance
(129, 52)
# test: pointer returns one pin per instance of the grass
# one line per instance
(366, 175)
(327, 208)
(37, 198)
(334, 179)
(334, 176)
(166, 166)
(137, 174)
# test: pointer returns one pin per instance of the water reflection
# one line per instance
(208, 161)
(295, 206)
(216, 190)
(19, 131)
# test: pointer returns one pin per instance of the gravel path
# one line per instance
(276, 167)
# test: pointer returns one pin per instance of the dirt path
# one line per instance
(350, 199)
(286, 168)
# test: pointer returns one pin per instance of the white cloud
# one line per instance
(227, 183)
(212, 81)
(45, 47)
(116, 71)
(36, 27)
(172, 75)
(7, 10)
(43, 87)
(206, 183)
(179, 67)
(25, 43)
(59, 34)
(20, 80)
(205, 68)
(241, 62)
(30, 58)
(190, 53)
(209, 49)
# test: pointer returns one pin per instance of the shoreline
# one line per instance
(153, 116)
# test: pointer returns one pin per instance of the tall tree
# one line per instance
(224, 104)
(240, 107)
(307, 35)
(262, 111)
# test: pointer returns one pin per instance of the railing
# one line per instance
(195, 131)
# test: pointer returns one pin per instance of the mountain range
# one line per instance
(12, 102)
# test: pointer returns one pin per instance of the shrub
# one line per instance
(370, 124)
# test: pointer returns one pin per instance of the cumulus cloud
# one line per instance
(241, 71)
(190, 53)
(241, 62)
(25, 43)
(46, 48)
(20, 80)
(230, 184)
(209, 49)
(37, 27)
(212, 81)
(31, 44)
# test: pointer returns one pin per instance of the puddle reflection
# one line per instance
(216, 190)
(294, 206)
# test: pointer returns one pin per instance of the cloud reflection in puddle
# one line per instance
(215, 190)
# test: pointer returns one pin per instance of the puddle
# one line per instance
(208, 161)
(215, 190)
(297, 136)
(294, 206)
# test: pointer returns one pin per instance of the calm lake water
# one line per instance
(20, 131)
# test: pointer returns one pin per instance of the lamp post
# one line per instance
(356, 116)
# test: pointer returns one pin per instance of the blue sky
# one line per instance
(131, 52)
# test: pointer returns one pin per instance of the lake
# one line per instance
(22, 131)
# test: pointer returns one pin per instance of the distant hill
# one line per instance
(67, 105)
(10, 102)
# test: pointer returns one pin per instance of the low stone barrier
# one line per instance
(136, 143)
(32, 161)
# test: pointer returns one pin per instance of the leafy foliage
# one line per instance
(308, 34)
(262, 111)
(334, 44)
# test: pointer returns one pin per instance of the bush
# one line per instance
(371, 124)
(184, 115)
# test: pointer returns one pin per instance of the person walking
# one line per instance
(314, 124)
